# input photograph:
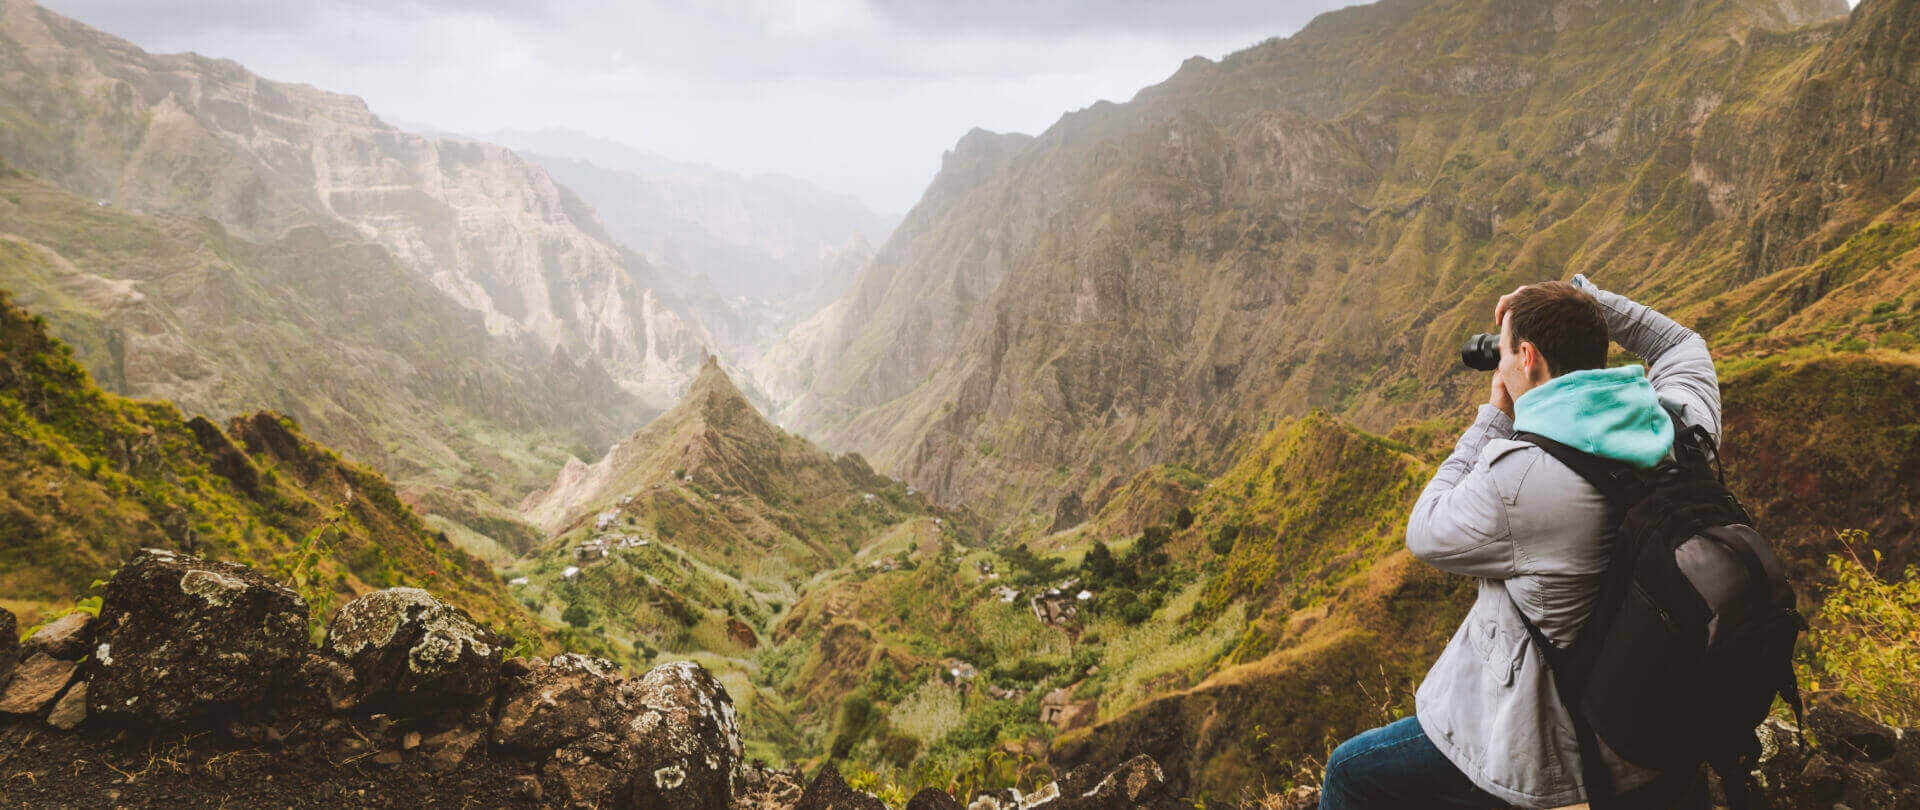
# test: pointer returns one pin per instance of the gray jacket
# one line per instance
(1537, 537)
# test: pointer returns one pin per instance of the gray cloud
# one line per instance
(1252, 17)
(860, 96)
(149, 19)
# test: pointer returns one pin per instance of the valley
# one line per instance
(1105, 448)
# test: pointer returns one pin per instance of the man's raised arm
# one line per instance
(1678, 363)
(1460, 523)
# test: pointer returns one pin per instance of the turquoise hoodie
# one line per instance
(1610, 412)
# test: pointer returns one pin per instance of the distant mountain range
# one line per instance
(779, 247)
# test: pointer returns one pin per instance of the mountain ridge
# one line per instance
(1331, 202)
(186, 134)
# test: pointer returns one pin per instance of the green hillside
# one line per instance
(88, 477)
(318, 325)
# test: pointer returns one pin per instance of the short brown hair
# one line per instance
(1563, 322)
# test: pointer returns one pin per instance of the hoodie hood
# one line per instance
(1612, 413)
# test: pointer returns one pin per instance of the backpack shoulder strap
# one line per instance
(1614, 479)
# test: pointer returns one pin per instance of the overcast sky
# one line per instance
(859, 96)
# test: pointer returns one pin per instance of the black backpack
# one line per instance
(1693, 631)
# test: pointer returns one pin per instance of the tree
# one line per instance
(1222, 542)
(576, 615)
(1183, 518)
(1098, 565)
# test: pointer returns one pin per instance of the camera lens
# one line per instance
(1482, 352)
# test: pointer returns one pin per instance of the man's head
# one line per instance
(1549, 329)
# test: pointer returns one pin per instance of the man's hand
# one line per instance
(1499, 398)
(1500, 309)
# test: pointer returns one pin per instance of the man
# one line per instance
(1489, 730)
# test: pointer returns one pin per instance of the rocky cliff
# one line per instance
(186, 134)
(1317, 221)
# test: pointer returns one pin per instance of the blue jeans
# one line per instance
(1396, 766)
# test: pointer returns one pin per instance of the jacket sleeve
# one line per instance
(1460, 522)
(1678, 363)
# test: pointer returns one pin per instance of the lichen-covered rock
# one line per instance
(1137, 784)
(403, 643)
(68, 637)
(36, 683)
(683, 739)
(555, 703)
(1850, 761)
(764, 788)
(830, 792)
(9, 644)
(179, 636)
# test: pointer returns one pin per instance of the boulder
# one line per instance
(933, 799)
(405, 645)
(329, 681)
(36, 682)
(9, 645)
(447, 749)
(683, 739)
(68, 638)
(545, 705)
(180, 637)
(1852, 736)
(830, 792)
(582, 777)
(71, 710)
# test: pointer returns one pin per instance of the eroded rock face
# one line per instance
(179, 636)
(403, 643)
(684, 739)
(66, 638)
(549, 704)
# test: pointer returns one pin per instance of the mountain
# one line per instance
(778, 247)
(187, 135)
(88, 478)
(1318, 221)
(696, 534)
(317, 324)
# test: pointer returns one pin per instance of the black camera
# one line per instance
(1482, 352)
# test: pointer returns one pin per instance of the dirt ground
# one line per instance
(44, 768)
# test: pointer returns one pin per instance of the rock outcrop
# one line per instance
(404, 681)
(180, 637)
(404, 644)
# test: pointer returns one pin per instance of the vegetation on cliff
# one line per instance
(88, 477)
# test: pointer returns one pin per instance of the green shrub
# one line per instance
(1222, 542)
(1866, 641)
